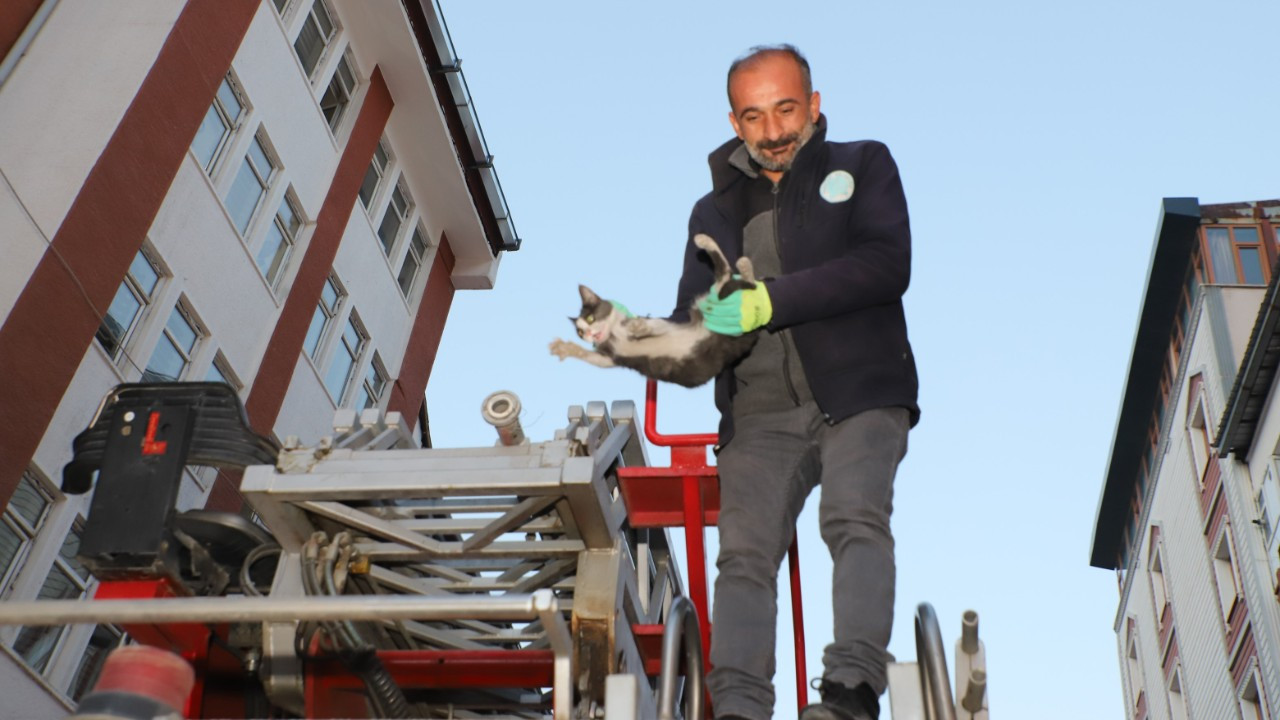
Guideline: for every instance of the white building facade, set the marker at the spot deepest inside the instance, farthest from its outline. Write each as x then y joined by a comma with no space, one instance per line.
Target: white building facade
279,194
1197,625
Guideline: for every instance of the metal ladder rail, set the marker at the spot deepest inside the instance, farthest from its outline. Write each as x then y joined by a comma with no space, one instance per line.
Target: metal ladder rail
932,659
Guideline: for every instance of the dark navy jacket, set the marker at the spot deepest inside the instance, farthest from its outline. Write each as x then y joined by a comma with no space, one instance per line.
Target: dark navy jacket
845,267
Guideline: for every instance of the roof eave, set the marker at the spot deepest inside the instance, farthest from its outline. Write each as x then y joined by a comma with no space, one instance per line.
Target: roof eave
1172,251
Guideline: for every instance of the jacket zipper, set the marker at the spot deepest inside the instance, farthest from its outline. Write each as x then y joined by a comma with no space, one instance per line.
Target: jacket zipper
783,335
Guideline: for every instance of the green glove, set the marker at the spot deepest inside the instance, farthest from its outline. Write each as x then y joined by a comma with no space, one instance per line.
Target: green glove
621,308
741,312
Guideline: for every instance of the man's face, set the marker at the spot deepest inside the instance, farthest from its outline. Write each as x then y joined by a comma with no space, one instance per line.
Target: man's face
771,112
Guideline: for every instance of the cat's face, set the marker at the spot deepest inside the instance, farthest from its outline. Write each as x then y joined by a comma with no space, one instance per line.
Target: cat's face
596,320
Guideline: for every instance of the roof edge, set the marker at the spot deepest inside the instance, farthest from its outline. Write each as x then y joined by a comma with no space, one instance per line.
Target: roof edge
1170,254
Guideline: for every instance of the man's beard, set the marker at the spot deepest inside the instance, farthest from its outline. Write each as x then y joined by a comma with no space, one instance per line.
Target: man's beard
782,164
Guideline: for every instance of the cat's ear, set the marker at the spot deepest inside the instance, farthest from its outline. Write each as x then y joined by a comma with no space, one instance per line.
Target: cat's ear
588,297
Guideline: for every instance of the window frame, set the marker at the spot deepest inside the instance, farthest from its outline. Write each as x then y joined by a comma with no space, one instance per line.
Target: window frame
330,315
381,173
328,42
389,245
146,304
276,169
1259,243
1175,688
182,309
1136,680
373,392
1253,682
60,518
1199,433
288,240
1226,568
357,354
345,58
231,125
421,259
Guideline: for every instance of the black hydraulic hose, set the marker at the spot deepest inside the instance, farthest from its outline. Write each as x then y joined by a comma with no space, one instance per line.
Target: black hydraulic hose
360,657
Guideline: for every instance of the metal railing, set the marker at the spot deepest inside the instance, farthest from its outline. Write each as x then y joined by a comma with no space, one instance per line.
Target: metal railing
682,630
932,659
540,605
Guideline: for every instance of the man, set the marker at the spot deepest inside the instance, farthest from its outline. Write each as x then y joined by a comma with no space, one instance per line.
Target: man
827,395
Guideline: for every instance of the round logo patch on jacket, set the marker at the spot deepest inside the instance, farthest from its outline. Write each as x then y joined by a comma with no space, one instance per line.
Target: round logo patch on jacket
837,187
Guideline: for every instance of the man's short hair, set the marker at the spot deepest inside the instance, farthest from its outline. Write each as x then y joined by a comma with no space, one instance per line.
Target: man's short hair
759,52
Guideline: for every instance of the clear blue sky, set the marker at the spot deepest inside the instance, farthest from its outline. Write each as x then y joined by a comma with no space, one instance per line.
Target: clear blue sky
1035,143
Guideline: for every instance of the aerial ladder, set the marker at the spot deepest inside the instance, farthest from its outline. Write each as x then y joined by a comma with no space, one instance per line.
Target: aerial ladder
374,578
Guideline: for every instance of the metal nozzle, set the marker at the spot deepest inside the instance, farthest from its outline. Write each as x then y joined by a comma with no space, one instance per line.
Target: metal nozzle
969,632
977,688
502,410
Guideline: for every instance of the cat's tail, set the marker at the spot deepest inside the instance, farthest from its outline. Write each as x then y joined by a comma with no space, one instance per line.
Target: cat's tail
725,282
718,262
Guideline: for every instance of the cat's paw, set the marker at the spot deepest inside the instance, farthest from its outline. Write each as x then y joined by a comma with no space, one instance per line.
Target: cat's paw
562,349
637,327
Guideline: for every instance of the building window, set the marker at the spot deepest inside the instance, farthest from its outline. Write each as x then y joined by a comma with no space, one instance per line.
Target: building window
1198,432
250,184
373,176
172,356
22,520
1133,668
1236,255
1159,590
394,218
219,124
345,358
331,296
318,30
67,580
1225,575
375,380
281,6
277,246
337,97
1268,501
1177,701
134,295
104,639
220,371
1253,704
413,261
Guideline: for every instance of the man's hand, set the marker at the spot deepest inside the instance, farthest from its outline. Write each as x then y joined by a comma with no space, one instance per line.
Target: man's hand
741,312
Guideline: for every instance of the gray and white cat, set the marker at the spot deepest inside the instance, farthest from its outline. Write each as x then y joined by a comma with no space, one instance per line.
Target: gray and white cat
685,353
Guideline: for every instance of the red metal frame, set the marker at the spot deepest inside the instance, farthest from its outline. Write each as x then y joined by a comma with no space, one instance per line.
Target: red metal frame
651,495
190,640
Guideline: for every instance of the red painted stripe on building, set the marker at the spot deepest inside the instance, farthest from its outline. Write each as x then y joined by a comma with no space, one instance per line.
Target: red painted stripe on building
276,371
54,319
407,394
15,15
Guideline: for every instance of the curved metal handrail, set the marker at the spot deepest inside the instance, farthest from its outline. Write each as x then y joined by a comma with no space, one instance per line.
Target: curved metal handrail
651,424
931,657
682,625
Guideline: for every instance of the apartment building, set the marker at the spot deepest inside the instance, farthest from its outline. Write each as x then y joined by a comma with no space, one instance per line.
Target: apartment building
282,195
1189,505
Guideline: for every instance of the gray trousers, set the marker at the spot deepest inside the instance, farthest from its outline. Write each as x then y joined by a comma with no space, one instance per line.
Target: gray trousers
774,460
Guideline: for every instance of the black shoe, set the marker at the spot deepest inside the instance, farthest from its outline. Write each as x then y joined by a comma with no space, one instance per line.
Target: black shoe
841,703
